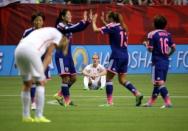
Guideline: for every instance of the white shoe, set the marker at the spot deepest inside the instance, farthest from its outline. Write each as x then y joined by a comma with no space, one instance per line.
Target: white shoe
33,106
166,106
85,88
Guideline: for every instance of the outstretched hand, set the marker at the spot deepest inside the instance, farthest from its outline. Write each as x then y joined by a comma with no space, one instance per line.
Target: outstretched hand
95,18
85,17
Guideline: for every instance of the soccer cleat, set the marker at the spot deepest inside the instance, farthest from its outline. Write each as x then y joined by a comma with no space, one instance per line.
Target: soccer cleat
139,100
166,106
71,103
59,99
33,106
101,88
146,105
27,119
106,105
85,88
41,120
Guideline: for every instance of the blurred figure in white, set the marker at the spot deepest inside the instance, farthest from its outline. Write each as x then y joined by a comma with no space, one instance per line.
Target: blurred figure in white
28,60
94,75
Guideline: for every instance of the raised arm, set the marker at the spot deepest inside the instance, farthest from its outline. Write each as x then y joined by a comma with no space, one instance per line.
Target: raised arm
83,24
94,26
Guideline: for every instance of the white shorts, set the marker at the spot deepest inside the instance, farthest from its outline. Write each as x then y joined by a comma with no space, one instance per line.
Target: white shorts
29,63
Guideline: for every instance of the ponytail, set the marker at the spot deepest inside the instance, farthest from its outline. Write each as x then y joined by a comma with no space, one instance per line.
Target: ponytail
121,21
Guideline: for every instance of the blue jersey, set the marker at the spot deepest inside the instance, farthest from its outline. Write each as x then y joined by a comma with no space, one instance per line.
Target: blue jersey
27,32
68,29
118,39
65,64
160,41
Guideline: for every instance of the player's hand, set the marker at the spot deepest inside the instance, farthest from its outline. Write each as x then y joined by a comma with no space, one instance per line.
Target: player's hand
90,15
145,43
85,16
95,18
102,17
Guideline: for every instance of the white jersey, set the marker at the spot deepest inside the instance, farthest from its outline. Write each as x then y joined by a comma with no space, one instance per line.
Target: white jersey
40,39
94,70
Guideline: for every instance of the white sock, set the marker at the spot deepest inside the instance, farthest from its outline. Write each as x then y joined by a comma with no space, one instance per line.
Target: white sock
40,98
86,82
103,81
26,99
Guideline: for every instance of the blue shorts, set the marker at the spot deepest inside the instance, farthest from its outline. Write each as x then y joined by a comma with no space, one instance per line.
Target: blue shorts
65,64
118,65
159,74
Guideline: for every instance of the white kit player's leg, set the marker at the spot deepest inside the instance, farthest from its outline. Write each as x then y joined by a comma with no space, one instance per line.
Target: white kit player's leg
86,82
103,82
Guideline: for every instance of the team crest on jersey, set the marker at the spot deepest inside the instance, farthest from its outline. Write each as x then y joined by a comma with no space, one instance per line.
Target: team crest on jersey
158,78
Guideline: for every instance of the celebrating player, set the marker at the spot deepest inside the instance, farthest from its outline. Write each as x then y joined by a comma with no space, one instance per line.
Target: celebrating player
117,31
161,46
65,64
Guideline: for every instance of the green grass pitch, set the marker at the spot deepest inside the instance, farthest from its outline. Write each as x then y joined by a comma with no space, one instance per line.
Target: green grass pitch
88,116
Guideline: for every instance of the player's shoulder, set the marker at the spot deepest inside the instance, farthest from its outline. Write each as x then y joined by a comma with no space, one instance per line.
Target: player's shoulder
100,66
112,25
27,31
152,33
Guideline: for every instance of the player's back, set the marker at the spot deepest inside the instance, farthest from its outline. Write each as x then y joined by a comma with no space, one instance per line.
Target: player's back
41,38
118,40
160,41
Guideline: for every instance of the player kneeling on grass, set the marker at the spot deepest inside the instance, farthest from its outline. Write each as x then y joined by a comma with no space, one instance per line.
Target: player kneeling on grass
94,75
28,60
161,46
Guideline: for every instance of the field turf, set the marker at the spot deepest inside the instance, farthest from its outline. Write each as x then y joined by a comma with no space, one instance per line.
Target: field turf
88,116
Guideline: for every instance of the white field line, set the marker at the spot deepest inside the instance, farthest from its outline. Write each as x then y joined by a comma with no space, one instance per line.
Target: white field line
79,96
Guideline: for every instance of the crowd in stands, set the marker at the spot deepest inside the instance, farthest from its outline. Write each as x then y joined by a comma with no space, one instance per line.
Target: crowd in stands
118,2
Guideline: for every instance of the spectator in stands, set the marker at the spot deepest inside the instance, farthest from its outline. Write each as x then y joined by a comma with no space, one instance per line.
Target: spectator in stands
94,75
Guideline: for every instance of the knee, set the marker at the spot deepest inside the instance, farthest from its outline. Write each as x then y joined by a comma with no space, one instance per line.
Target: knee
122,82
159,83
73,80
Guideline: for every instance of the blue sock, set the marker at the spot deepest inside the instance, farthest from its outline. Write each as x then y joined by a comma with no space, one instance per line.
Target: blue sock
33,89
130,87
65,90
155,92
109,88
164,92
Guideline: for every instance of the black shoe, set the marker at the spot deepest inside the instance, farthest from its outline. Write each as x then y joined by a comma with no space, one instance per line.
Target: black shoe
139,100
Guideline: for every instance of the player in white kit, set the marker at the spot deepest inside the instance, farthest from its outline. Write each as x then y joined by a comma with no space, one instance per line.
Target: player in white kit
28,59
94,75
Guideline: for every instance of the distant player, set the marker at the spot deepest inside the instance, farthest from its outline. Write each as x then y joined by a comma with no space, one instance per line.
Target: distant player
28,60
94,75
65,64
117,31
161,46
37,20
